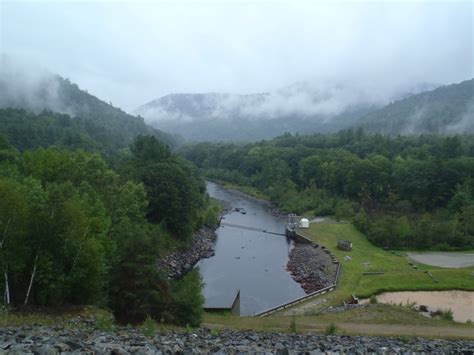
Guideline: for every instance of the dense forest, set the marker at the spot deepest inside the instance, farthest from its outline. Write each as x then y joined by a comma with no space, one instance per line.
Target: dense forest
56,106
402,192
75,231
447,109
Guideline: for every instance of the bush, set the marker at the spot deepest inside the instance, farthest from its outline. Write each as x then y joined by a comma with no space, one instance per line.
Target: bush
149,326
293,325
105,322
187,300
331,329
446,314
343,210
373,299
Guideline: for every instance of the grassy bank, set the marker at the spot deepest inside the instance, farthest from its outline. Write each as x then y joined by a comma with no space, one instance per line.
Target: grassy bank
381,320
398,274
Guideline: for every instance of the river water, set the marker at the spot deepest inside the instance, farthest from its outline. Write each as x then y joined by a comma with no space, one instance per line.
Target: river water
252,261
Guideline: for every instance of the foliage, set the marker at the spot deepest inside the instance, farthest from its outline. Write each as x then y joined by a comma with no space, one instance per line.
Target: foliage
186,306
105,323
74,231
149,326
175,190
444,109
373,299
331,329
403,192
446,314
293,325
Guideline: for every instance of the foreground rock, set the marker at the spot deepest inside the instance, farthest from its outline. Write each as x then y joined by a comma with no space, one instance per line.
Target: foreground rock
311,266
45,340
179,262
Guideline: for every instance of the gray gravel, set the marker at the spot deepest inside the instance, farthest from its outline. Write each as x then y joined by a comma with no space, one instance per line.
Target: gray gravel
311,266
54,340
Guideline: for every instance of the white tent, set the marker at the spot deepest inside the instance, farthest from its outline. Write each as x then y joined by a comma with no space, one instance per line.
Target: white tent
304,223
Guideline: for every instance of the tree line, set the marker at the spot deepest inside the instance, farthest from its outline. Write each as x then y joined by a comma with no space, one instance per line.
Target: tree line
402,192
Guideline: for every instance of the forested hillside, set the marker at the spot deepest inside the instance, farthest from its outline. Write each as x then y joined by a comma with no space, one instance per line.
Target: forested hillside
74,231
445,110
108,125
403,192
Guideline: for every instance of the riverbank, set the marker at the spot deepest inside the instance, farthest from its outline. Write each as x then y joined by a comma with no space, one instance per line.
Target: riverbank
177,263
56,340
311,267
372,270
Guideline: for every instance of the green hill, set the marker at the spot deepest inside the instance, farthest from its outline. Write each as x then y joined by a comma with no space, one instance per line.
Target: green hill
55,111
445,110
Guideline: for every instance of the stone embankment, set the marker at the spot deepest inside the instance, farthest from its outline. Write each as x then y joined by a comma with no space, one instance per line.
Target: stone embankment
176,264
56,340
311,267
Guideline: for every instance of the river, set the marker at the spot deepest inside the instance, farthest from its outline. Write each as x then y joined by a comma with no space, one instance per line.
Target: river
252,261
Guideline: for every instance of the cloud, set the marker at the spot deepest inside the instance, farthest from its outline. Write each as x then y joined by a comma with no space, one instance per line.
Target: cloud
133,52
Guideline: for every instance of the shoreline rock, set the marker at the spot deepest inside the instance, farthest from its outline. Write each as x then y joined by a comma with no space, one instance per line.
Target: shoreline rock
57,340
178,263
311,267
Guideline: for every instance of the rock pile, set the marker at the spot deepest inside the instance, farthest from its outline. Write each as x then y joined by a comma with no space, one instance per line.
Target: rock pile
311,266
179,262
54,340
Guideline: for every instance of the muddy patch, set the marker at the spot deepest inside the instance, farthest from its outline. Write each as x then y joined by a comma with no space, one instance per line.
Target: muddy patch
461,303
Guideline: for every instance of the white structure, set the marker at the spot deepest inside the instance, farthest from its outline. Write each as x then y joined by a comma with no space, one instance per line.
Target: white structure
304,223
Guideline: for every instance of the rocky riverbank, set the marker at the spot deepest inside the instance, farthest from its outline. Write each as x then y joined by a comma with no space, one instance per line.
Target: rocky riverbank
56,340
311,266
179,262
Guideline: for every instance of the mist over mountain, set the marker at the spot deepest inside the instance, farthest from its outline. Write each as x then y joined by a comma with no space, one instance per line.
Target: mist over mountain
301,107
37,90
445,110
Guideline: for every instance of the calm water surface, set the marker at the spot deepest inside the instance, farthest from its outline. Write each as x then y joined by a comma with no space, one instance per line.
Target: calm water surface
254,262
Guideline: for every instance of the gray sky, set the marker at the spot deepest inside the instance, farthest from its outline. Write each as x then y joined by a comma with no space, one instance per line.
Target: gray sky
132,52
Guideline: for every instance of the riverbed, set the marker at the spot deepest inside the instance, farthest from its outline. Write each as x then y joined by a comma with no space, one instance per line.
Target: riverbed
251,261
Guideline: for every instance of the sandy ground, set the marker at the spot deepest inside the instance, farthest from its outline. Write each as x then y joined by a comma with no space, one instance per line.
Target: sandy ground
447,260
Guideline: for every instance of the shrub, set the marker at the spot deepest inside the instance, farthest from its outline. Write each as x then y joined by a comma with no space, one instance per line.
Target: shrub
446,314
149,326
331,329
373,299
105,322
293,325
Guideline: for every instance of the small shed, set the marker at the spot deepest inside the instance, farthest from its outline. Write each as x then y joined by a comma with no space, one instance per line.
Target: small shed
344,245
304,223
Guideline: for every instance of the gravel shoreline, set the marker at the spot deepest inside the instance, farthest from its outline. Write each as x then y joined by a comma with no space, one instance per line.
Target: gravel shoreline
311,267
56,340
178,263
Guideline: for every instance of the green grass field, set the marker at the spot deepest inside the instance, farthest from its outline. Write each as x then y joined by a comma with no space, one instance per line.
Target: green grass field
398,275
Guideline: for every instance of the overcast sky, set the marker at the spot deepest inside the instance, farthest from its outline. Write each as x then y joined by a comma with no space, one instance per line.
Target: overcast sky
132,52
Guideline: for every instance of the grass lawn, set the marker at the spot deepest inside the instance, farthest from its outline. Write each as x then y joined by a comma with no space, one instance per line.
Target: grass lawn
365,257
